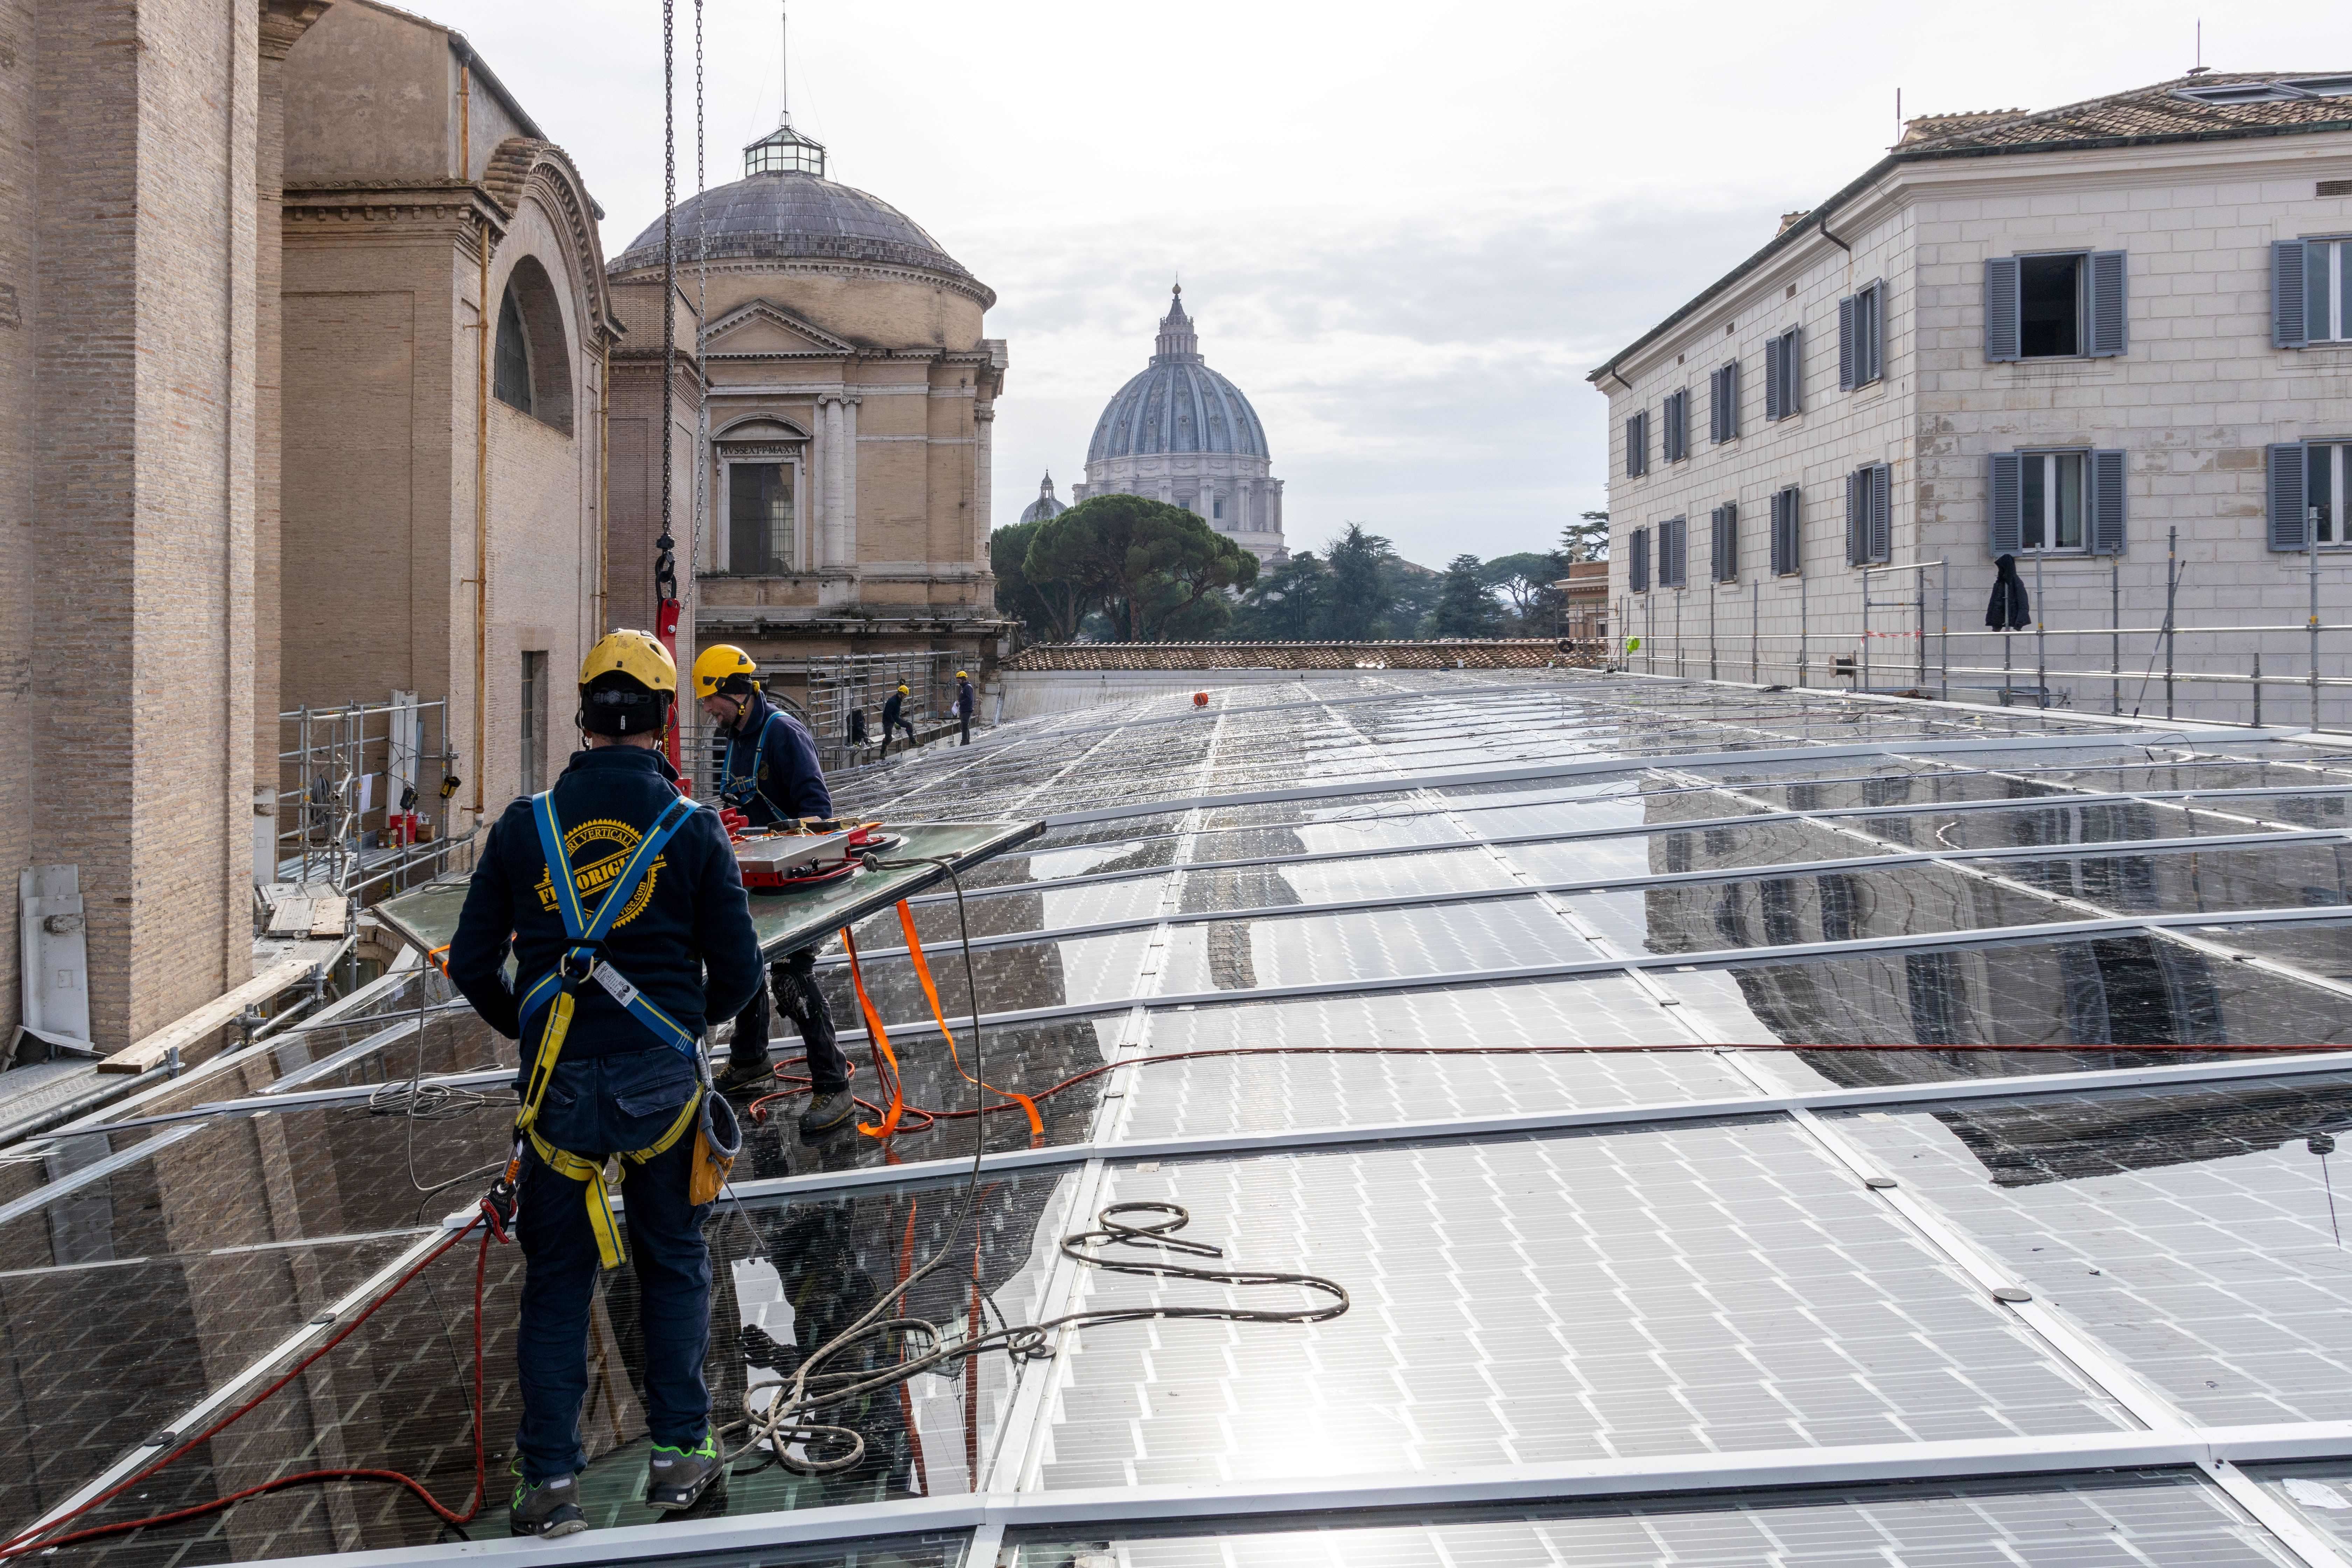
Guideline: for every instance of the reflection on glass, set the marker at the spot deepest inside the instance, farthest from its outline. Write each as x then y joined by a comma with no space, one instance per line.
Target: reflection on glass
2052,512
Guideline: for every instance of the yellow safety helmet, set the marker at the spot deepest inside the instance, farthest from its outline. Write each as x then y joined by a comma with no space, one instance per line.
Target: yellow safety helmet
637,655
963,675
902,689
723,670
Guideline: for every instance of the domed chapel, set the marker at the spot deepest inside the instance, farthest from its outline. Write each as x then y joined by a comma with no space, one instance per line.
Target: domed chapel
1180,432
845,391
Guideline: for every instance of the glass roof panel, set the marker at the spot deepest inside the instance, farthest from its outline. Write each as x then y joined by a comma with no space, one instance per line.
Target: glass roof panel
1331,881
2124,990
1242,955
2193,1230
2144,1519
1699,849
1820,905
396,1395
2319,947
1473,1027
1691,1289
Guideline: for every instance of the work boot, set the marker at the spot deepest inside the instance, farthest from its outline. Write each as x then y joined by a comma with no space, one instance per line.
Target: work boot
545,1509
828,1110
739,1079
677,1478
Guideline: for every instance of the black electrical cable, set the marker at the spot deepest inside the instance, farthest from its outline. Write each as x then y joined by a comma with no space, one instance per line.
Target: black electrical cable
792,1414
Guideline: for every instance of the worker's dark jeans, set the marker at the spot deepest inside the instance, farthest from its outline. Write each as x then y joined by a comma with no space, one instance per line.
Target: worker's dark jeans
891,729
967,729
594,1107
802,1000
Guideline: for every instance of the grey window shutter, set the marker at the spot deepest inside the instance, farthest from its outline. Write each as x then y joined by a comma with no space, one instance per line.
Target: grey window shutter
1671,563
1870,310
1881,513
2106,473
2004,517
1637,445
1637,567
2107,329
1682,551
1854,517
2003,333
2289,521
1772,378
1732,400
2287,317
1723,557
1792,366
1846,315
1792,534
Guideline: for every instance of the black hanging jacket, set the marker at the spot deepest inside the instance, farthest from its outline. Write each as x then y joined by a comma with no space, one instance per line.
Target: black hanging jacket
2010,611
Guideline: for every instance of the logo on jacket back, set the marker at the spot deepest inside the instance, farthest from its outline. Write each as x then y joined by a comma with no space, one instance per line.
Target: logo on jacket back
613,843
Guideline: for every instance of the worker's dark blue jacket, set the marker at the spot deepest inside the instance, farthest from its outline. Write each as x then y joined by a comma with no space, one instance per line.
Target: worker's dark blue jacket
688,943
890,712
965,700
770,772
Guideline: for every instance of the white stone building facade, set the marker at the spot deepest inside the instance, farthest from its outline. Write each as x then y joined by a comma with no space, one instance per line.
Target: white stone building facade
2069,337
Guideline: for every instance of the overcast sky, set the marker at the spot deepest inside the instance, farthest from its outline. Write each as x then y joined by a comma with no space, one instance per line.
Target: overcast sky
1407,232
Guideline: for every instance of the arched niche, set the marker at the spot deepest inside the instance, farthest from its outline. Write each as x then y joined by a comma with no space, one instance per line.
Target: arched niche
532,369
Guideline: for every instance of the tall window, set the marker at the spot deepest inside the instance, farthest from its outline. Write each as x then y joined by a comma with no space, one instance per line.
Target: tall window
1674,552
1788,545
1637,445
2056,503
760,519
1862,337
2060,306
1723,402
1637,561
1673,426
2324,490
510,376
1783,375
2307,496
2325,318
534,722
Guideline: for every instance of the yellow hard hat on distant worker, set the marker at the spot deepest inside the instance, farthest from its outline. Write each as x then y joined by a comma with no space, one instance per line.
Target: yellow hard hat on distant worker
723,670
902,689
637,655
963,675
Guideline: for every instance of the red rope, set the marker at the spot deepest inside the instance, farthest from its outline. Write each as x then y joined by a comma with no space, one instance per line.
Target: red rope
39,1539
920,1119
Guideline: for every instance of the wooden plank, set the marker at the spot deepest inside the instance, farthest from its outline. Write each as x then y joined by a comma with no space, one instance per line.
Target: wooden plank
290,916
214,1015
328,916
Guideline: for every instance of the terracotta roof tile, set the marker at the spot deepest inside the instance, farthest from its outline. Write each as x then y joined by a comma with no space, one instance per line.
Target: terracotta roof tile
2161,110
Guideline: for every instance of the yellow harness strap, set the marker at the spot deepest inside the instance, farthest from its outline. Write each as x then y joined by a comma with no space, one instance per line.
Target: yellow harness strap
579,1168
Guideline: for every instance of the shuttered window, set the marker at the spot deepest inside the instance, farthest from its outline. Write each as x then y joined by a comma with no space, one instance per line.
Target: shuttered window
1723,560
2054,504
2309,493
1783,375
1869,515
1674,554
1637,560
2308,300
1723,404
1673,426
1637,445
1787,546
2057,305
1862,336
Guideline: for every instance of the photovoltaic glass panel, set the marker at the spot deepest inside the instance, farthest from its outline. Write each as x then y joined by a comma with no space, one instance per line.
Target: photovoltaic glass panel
2192,1229
1765,910
1644,1292
2142,1520
1242,955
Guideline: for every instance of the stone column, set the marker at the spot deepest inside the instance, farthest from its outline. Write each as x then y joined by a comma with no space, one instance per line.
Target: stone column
850,479
983,481
829,530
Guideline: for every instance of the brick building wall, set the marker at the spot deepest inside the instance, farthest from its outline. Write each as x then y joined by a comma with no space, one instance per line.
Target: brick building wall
2193,402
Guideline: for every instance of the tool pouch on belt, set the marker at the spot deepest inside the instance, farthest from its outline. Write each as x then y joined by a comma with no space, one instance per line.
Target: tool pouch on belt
717,1138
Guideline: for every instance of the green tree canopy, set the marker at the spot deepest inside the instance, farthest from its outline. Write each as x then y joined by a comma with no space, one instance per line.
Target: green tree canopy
1156,570
1008,556
1361,591
1285,602
1523,578
1586,539
1464,607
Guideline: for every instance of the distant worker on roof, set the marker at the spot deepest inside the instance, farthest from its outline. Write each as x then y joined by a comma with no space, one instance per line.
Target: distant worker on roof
966,699
769,772
622,905
894,717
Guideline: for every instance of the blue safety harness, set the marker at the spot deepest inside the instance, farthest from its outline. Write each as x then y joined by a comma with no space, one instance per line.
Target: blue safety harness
738,789
552,994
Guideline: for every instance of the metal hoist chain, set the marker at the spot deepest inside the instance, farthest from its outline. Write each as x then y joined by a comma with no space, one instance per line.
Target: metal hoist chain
665,560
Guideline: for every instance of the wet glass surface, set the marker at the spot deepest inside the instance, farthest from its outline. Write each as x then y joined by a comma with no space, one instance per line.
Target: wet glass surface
789,1275
1475,1028
1700,849
1242,955
1332,882
1577,1307
2152,1520
2320,947
1823,906
2192,1229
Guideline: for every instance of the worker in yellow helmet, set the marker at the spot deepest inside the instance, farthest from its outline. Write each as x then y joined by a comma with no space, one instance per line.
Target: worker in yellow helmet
768,770
966,699
894,717
623,908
